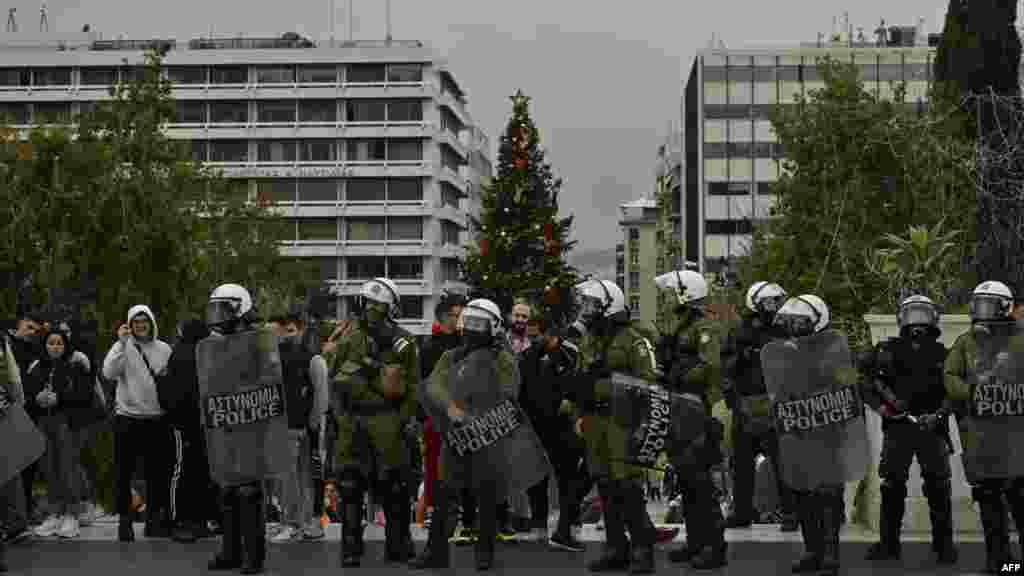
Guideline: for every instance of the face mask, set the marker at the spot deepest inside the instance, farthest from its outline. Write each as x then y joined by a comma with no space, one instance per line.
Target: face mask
794,326
918,332
376,312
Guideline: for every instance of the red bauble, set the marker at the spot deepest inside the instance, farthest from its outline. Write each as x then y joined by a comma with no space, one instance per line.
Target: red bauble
520,163
549,232
485,247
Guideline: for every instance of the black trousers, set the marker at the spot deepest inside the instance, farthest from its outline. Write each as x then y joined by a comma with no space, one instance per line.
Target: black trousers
746,447
149,439
191,499
566,454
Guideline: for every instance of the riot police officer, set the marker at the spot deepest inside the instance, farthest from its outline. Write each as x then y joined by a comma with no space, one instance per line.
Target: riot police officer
612,342
820,510
374,377
904,383
243,544
743,379
990,310
690,357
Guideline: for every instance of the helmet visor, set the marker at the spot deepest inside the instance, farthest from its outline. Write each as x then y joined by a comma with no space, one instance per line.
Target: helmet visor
795,325
917,314
221,311
770,304
987,308
476,324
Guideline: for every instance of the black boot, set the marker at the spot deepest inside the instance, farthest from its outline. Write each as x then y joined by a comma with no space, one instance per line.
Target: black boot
714,553
3,558
993,521
352,534
940,508
397,522
833,510
435,553
253,528
615,555
230,555
487,517
641,530
810,529
157,524
692,518
125,530
893,503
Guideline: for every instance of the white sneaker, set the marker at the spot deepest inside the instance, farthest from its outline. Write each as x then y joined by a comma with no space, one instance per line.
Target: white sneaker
68,527
539,535
49,527
313,530
287,534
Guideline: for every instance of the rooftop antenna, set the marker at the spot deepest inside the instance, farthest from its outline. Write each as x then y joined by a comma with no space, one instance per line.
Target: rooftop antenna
12,22
44,25
351,38
880,33
387,21
333,17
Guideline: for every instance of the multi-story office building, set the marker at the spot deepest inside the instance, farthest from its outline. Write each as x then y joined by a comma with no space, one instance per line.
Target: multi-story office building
731,155
639,223
366,148
670,165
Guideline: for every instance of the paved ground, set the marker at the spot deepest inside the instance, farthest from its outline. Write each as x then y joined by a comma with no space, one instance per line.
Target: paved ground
164,558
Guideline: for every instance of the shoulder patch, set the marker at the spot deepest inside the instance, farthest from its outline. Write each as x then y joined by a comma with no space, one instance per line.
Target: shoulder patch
705,338
400,344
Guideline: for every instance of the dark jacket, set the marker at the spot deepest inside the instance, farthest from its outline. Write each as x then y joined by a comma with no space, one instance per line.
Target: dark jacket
742,358
916,377
298,384
179,389
25,352
72,383
432,350
546,380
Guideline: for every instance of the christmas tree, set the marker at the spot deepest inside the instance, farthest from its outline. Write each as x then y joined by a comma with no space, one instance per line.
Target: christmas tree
521,242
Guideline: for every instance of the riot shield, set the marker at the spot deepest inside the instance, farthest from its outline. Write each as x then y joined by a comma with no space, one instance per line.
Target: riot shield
654,419
495,440
243,406
994,422
23,442
818,410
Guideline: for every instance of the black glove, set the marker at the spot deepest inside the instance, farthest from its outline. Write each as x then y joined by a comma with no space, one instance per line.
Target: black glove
932,422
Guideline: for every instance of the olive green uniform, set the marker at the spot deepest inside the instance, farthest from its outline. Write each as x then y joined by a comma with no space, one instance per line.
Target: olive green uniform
987,493
691,358
370,448
628,349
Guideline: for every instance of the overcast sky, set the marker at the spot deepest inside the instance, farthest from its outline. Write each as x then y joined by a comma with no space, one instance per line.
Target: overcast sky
605,78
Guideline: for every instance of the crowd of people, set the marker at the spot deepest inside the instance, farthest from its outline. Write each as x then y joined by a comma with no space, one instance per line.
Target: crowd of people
370,410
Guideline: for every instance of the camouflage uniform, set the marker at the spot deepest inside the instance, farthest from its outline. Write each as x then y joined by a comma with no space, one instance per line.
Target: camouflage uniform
370,449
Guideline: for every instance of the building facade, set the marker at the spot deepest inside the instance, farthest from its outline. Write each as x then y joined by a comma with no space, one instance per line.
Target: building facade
639,223
731,155
366,149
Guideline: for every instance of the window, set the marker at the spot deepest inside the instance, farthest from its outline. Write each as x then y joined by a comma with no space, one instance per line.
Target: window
634,233
189,112
133,74
788,73
229,75
318,190
275,111
405,228
365,229
51,77
405,73
97,76
765,189
317,111
365,73
634,280
316,151
449,195
314,74
714,73
449,270
405,111
449,233
15,77
199,149
739,149
764,149
187,74
634,257
620,265
374,149
764,74
449,159
890,73
763,111
365,190
726,111
328,267
365,267
405,267
405,150
276,190
728,227
229,151
51,112
225,112
715,150
410,307
275,151
365,110
318,229
275,75
405,190
450,123
14,112
729,188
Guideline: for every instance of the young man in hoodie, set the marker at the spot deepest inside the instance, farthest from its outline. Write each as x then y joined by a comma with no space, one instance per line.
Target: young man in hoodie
134,362
305,381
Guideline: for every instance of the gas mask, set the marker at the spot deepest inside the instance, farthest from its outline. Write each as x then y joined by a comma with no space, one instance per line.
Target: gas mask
376,313
222,316
476,332
917,332
590,314
767,308
793,325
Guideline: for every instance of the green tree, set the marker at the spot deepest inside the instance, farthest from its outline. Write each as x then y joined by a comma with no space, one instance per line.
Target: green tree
522,243
856,168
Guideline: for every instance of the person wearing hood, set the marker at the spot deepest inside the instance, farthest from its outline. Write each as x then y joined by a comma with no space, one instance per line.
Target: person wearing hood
904,382
134,362
55,388
192,502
